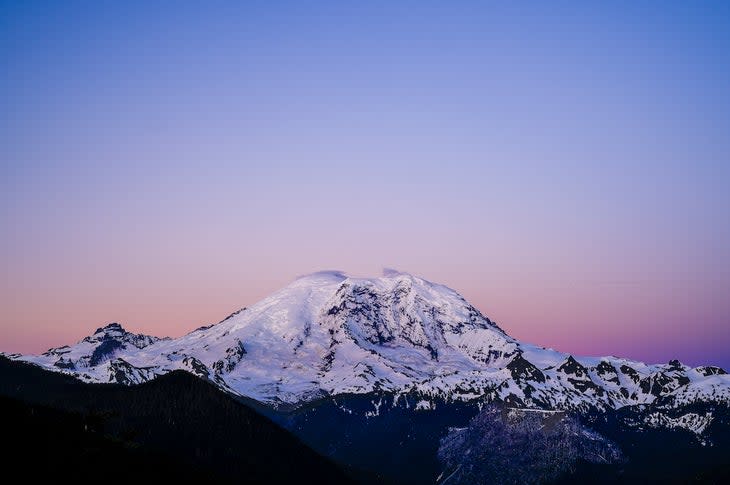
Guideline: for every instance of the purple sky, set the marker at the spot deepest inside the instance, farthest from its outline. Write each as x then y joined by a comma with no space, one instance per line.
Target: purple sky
565,168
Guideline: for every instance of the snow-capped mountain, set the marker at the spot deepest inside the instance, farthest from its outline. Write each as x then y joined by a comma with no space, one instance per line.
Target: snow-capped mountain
331,334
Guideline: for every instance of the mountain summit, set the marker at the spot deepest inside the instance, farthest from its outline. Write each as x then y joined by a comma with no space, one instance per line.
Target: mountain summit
328,333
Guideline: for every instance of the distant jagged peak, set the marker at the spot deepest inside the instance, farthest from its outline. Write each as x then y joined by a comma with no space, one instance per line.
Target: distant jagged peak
675,364
110,327
573,367
710,370
115,331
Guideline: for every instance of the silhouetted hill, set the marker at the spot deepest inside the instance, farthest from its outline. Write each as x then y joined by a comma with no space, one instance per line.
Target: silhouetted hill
178,419
45,444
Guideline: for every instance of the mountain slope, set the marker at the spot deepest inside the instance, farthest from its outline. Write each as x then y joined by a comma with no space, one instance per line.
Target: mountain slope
330,334
176,418
68,447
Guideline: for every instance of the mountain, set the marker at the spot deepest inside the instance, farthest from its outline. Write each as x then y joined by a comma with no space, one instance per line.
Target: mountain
328,334
381,374
177,427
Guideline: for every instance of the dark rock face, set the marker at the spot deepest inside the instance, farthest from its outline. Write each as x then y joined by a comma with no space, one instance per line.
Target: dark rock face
233,357
663,383
674,364
65,364
631,372
578,377
709,370
115,331
573,367
607,372
196,367
585,385
377,318
503,445
522,370
105,349
122,372
225,319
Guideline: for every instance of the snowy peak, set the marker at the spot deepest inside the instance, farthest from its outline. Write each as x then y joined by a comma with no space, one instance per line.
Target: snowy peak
400,310
96,349
114,332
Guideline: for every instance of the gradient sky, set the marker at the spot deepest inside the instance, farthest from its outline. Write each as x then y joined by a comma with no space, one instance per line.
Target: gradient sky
564,167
